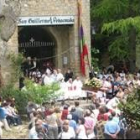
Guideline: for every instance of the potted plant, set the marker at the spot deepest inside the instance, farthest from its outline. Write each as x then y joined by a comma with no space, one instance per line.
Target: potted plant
93,84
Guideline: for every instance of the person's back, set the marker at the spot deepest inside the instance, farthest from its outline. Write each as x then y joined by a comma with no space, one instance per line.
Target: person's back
111,126
78,110
73,124
52,120
111,129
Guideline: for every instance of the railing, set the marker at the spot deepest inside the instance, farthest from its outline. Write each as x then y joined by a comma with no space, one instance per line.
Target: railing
36,44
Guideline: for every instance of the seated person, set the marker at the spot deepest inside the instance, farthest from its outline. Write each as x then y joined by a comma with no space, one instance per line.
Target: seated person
11,116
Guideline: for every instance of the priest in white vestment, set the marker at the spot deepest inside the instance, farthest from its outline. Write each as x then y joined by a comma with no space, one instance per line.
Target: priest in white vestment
48,80
77,88
60,76
69,90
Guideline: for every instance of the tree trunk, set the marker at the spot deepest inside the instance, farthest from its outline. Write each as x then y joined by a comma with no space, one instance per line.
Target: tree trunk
132,48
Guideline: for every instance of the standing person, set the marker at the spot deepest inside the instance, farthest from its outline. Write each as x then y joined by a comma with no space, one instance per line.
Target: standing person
81,131
47,79
77,87
111,129
59,75
28,66
72,123
89,125
69,90
54,76
78,110
65,113
74,116
34,64
59,120
68,75
51,120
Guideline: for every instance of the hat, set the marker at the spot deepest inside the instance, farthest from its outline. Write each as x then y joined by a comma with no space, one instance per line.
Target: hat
69,117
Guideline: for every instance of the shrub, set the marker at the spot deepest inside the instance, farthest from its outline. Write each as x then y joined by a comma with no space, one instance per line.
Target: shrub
131,109
37,94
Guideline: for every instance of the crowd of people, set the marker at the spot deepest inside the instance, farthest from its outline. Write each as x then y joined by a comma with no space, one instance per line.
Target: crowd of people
101,119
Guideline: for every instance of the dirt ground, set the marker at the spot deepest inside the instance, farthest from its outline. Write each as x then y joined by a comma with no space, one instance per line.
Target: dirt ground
21,132
18,132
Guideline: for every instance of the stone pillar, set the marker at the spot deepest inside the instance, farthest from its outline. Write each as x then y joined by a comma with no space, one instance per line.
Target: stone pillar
12,47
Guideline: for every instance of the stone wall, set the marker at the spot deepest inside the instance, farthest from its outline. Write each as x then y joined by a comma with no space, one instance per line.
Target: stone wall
59,7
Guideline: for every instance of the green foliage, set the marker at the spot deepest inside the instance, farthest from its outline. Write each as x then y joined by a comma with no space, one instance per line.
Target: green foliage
131,109
95,60
118,48
107,10
21,99
117,19
122,26
16,61
37,94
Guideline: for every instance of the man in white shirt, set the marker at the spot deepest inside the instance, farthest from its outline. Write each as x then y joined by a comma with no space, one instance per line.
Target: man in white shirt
68,132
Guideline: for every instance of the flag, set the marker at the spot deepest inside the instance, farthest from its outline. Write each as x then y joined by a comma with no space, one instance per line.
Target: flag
83,46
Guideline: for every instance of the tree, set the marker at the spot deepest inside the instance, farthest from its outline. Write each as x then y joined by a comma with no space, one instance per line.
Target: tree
119,20
131,111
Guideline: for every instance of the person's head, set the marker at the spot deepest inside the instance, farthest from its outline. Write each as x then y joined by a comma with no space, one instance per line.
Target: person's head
38,125
35,113
88,113
92,107
77,78
51,110
102,110
69,117
65,126
114,106
81,121
52,103
63,103
68,71
29,58
57,110
110,118
113,114
70,80
59,70
54,71
97,105
66,107
73,109
77,104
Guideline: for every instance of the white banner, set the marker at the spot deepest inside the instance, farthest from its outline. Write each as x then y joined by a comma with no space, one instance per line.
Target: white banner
46,20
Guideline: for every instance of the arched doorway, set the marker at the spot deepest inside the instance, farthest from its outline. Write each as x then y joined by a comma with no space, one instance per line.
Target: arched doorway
37,42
